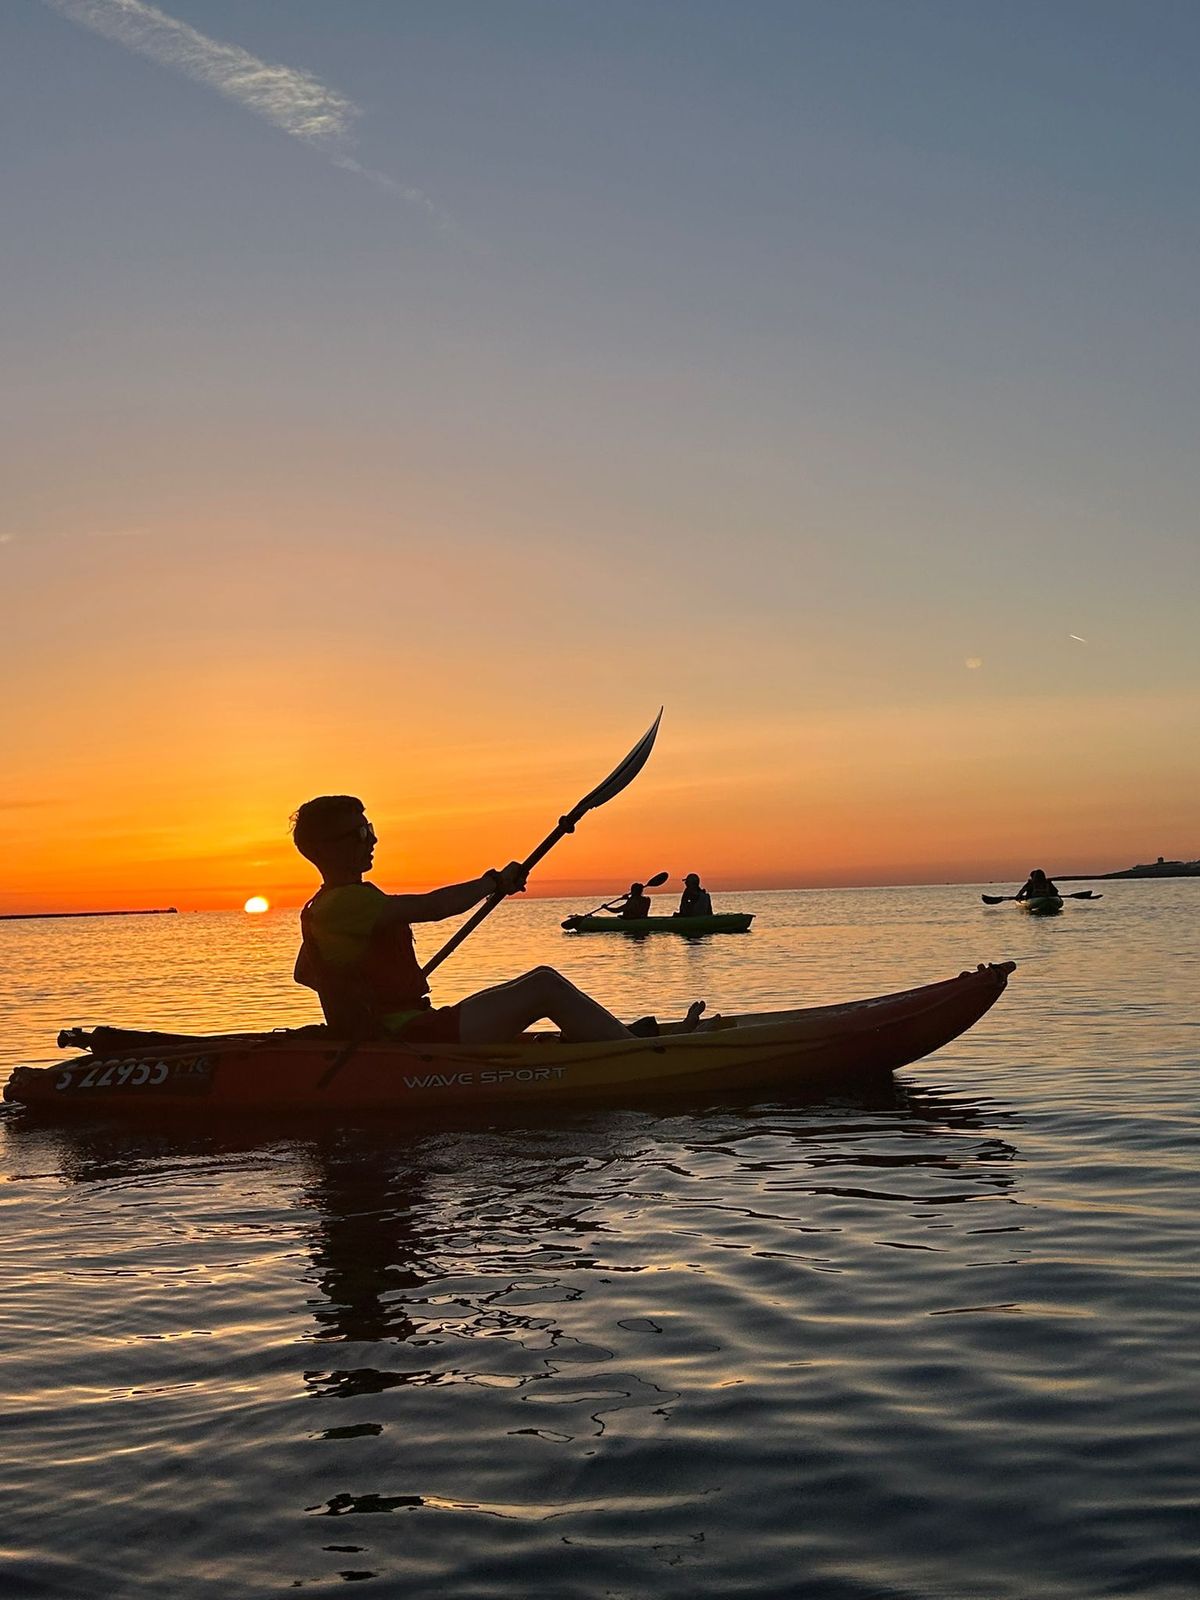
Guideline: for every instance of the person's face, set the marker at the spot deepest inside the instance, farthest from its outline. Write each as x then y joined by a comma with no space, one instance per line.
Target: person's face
356,843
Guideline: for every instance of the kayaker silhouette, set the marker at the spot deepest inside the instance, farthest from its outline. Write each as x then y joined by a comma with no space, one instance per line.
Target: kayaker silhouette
635,905
694,901
1037,886
357,950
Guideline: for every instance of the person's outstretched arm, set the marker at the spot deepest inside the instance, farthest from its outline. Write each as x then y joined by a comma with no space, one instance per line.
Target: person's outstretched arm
455,898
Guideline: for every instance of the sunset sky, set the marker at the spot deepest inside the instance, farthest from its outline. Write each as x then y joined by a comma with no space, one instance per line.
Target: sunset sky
407,397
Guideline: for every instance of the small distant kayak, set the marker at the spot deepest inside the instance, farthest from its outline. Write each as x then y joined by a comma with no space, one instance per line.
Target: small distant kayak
719,922
1042,905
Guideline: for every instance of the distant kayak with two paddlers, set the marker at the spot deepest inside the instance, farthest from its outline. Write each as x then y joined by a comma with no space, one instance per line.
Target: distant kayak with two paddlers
632,913
718,922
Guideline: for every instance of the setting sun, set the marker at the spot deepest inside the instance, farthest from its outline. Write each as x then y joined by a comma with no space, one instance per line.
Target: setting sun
256,904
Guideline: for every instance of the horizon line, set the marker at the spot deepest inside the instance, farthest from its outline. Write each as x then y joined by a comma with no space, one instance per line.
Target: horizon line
670,894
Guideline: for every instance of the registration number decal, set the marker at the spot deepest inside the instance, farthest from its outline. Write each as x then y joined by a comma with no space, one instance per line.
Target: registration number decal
191,1075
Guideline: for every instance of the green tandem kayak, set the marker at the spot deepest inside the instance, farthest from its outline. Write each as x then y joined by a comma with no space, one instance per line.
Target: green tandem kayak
721,922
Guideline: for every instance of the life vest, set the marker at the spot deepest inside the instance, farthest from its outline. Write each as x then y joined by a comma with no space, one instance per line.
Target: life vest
380,985
1041,889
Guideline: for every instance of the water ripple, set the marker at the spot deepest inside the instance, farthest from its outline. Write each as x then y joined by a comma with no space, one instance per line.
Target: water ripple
934,1342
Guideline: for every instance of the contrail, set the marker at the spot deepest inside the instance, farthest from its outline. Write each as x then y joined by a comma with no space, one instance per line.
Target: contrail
290,99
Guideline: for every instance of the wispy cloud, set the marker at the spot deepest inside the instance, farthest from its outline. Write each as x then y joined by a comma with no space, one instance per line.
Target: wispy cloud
293,100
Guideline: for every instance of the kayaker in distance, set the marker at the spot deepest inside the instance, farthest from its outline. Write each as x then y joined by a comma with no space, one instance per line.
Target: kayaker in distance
635,905
694,901
1037,887
357,950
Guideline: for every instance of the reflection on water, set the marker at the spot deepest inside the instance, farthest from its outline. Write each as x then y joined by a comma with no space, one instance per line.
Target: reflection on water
599,1281
366,1246
841,1348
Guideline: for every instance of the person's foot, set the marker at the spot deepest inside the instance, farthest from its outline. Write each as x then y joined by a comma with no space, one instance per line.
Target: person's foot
692,1021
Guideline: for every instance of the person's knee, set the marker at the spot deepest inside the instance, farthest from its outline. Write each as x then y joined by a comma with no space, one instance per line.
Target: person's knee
546,980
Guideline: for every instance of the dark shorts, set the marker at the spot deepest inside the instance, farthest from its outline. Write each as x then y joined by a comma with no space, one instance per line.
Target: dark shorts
438,1025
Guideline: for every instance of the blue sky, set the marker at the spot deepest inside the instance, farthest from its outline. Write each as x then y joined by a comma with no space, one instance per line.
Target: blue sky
860,338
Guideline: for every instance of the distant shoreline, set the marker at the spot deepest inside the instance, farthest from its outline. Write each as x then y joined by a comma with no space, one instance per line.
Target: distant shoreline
41,916
1169,869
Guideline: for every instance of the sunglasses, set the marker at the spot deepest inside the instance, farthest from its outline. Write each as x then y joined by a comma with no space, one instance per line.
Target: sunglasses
362,830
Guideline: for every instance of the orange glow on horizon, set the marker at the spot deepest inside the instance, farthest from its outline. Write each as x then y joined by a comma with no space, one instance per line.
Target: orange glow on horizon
923,794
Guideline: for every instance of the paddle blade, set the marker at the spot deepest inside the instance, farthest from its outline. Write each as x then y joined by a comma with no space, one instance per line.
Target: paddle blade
623,775
993,899
658,879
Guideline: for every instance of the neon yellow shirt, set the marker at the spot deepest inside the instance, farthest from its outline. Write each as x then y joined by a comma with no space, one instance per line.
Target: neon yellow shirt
383,982
343,920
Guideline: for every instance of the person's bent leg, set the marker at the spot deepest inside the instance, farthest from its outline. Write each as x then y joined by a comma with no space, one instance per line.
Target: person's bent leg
496,1016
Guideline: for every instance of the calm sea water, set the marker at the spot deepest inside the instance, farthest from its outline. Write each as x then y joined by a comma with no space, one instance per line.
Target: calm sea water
937,1344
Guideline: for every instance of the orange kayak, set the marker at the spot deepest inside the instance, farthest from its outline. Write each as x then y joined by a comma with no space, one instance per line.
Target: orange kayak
307,1070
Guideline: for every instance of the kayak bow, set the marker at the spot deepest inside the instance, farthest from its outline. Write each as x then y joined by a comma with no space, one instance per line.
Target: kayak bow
1042,905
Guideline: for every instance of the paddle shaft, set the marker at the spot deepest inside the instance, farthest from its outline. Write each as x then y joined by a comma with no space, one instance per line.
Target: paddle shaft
565,825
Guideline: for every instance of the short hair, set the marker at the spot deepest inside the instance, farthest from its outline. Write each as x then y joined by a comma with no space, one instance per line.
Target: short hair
316,821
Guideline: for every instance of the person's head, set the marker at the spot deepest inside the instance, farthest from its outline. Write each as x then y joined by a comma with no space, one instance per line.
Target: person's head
636,888
692,881
1037,875
333,833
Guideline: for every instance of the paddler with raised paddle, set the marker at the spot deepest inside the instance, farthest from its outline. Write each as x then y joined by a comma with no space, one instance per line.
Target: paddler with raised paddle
358,953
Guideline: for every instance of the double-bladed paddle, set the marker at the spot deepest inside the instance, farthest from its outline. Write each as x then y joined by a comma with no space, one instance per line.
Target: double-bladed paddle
618,779
650,883
1076,894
